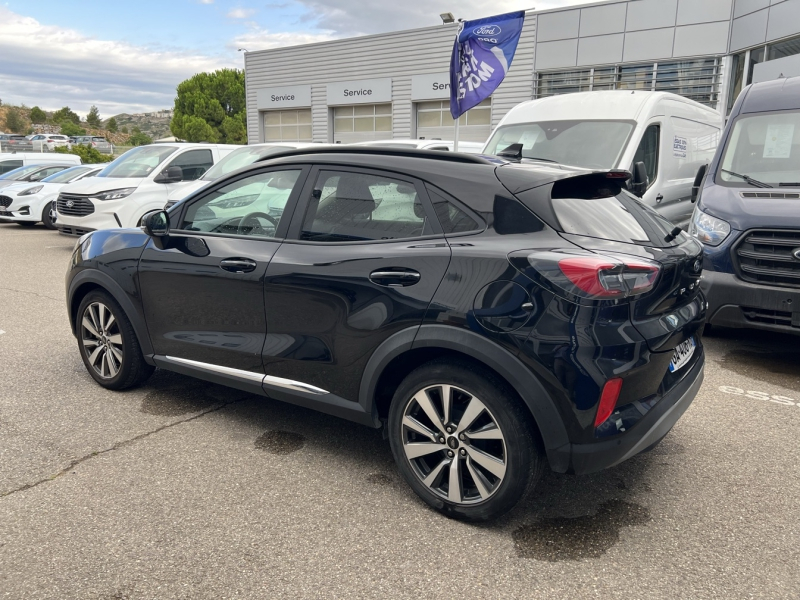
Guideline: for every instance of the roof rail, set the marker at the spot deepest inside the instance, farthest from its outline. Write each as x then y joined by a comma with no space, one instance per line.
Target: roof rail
384,151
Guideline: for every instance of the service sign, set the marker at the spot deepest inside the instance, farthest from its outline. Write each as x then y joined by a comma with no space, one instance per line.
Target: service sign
295,96
430,87
367,91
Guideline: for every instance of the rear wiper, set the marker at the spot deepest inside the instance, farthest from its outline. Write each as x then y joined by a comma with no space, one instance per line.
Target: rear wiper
748,179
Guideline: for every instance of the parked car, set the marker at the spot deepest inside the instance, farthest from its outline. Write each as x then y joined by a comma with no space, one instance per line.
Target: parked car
747,214
446,145
241,157
662,138
99,143
51,141
12,161
11,142
136,183
493,316
29,204
31,173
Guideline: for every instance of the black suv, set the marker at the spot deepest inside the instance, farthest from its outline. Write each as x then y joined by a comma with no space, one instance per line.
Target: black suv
490,314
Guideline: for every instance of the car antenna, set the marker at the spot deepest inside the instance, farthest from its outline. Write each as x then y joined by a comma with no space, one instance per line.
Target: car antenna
513,152
673,234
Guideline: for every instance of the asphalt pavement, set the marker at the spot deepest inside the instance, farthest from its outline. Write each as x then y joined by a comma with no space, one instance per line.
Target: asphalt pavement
182,489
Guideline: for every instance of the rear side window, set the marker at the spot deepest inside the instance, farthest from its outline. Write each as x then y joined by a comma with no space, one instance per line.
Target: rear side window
453,218
9,165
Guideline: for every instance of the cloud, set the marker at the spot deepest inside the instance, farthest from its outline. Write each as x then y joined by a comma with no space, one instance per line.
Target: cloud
51,67
256,38
206,1
241,13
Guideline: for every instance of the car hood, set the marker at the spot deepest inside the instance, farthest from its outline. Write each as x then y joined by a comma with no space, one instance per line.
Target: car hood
770,209
47,188
95,185
183,191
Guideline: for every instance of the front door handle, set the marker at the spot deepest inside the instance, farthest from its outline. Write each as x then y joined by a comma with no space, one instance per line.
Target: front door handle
394,278
238,265
659,198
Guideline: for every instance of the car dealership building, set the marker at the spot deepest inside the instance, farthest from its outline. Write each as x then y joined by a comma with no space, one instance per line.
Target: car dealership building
396,85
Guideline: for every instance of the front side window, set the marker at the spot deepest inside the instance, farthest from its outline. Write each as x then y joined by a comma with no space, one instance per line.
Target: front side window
66,175
193,163
764,147
138,162
348,207
591,144
39,175
251,206
647,152
19,173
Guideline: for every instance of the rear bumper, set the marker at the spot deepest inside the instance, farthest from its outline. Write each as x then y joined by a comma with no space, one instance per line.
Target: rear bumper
736,303
589,458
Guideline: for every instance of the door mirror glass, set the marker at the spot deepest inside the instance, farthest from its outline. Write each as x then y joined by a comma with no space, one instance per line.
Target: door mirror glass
156,223
698,181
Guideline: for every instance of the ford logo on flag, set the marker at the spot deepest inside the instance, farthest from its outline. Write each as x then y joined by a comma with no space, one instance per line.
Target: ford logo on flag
487,30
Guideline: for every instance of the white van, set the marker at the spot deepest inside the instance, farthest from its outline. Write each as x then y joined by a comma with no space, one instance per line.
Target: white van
671,136
14,160
136,183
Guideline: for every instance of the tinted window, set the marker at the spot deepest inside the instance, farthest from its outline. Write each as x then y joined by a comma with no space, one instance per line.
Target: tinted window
193,163
452,218
647,152
251,206
357,207
9,165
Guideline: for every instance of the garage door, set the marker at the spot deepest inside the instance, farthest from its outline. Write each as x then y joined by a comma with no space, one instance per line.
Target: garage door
362,123
287,125
434,121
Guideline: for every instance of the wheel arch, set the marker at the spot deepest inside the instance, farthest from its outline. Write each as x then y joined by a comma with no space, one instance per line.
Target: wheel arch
87,281
408,349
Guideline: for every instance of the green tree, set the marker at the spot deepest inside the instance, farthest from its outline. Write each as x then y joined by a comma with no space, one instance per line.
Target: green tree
88,154
111,125
124,129
66,114
93,117
14,121
139,139
210,107
38,115
70,128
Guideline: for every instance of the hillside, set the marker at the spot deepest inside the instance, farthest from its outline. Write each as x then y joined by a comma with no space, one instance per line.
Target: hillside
155,126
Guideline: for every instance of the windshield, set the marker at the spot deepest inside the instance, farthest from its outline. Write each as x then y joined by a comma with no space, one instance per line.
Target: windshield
21,172
764,147
241,157
590,144
66,175
139,162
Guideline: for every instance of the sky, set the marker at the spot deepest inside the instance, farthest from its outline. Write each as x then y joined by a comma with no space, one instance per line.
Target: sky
130,56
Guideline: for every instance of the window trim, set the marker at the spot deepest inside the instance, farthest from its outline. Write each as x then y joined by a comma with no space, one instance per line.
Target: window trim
283,225
296,226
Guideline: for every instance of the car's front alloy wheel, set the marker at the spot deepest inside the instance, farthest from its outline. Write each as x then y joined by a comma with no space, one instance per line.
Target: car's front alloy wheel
102,339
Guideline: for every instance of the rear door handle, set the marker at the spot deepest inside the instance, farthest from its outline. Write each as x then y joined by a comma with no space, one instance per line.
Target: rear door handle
390,278
238,265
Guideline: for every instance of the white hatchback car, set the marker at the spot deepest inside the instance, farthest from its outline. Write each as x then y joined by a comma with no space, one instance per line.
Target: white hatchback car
30,203
136,183
50,141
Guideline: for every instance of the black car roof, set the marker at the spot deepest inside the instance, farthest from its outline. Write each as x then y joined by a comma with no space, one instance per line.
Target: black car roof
780,94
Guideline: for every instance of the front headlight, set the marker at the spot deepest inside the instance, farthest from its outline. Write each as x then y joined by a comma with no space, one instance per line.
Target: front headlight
709,230
29,191
114,194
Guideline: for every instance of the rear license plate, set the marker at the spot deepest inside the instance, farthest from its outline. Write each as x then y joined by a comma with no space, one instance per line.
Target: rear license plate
682,355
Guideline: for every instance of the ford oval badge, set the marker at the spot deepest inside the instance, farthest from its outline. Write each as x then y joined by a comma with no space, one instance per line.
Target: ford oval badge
487,30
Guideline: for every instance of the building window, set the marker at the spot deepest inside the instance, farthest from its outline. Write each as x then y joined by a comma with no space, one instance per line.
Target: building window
784,49
696,79
737,77
364,118
287,125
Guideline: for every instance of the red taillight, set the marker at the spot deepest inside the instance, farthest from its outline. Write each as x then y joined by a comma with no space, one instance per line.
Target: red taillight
608,400
602,277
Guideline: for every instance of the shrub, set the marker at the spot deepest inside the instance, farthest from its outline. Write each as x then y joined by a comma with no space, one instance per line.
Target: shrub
88,154
70,128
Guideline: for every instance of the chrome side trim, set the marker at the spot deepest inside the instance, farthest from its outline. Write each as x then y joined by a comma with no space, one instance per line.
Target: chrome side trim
297,386
238,373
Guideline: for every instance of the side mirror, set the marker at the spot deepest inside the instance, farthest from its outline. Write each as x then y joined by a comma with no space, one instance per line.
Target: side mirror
156,223
639,181
170,175
698,181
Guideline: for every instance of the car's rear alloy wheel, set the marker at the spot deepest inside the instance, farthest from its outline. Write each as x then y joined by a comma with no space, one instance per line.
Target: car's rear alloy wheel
108,344
463,440
102,339
454,444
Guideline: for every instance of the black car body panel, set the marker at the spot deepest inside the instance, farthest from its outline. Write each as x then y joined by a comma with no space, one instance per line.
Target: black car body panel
333,325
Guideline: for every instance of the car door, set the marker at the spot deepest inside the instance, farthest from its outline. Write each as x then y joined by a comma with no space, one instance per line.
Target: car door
202,286
362,261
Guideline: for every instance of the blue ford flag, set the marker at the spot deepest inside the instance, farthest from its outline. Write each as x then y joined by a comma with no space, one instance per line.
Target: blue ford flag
482,55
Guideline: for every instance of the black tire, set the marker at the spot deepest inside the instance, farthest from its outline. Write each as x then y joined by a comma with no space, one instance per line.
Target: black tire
502,409
26,223
47,216
131,370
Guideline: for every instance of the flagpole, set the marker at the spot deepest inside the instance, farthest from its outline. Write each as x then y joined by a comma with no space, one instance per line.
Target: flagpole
455,138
